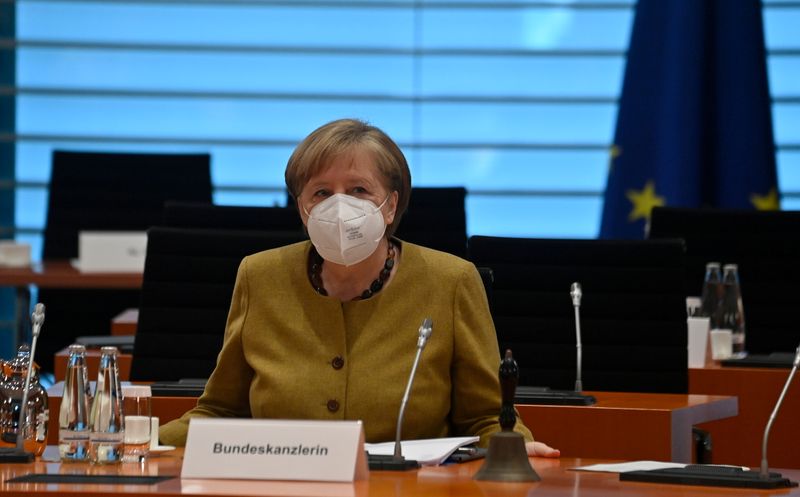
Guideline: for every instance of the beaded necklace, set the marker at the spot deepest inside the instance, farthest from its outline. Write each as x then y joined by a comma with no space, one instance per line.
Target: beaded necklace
315,262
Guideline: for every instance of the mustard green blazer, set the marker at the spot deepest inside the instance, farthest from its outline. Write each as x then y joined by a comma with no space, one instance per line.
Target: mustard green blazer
291,353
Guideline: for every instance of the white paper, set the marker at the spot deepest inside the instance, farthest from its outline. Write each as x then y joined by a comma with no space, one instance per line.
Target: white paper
624,467
428,452
162,448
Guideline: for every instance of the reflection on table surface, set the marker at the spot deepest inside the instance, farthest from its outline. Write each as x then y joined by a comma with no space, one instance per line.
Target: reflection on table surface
449,480
61,274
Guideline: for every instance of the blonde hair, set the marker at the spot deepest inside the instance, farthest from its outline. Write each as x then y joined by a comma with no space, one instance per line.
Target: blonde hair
338,137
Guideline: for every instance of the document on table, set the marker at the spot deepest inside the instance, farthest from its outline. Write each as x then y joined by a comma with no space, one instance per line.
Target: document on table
429,452
625,467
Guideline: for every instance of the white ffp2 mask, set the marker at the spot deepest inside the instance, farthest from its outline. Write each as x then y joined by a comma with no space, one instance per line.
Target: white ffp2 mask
345,229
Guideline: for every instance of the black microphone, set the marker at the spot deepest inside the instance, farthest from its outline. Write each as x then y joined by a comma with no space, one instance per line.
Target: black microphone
397,461
546,396
18,454
725,476
576,293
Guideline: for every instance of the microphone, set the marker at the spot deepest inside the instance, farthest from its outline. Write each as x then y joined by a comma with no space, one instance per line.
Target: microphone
764,467
576,293
18,454
725,476
544,395
425,331
397,461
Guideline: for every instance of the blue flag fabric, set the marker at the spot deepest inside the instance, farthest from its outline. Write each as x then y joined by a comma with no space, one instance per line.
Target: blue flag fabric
694,127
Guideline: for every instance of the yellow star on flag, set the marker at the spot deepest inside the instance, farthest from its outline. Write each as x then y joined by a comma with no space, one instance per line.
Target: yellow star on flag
768,202
643,201
613,153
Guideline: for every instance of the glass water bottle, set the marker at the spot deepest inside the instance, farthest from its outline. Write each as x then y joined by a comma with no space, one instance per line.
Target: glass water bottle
106,418
73,417
732,310
711,296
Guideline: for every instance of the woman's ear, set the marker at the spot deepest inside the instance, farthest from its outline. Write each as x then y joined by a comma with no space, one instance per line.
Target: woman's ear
390,209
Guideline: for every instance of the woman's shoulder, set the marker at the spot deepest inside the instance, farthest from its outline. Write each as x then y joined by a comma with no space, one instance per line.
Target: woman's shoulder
429,259
293,254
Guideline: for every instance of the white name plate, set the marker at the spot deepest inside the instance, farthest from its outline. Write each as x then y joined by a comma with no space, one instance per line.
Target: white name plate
268,449
111,251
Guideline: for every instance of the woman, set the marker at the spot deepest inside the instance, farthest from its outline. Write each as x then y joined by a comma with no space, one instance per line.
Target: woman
327,329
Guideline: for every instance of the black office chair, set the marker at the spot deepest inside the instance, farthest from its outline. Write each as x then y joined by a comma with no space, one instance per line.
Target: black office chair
186,293
487,277
436,218
228,217
102,191
765,245
633,314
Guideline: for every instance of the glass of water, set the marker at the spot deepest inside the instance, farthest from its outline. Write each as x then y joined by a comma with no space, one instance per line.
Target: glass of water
136,401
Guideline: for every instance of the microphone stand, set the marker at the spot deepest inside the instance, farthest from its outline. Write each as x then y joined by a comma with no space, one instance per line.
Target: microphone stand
764,467
397,462
17,454
725,476
546,396
576,293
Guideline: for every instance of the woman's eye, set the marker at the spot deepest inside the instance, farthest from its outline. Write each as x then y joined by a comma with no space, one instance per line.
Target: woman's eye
359,189
321,193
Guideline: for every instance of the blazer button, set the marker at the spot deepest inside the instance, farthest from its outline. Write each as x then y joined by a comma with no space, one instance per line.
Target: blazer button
333,405
338,362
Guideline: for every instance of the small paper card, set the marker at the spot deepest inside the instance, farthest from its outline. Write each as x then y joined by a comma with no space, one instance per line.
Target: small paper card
14,254
268,449
111,251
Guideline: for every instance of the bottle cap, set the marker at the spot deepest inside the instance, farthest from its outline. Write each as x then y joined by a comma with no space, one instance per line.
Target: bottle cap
108,349
136,391
77,348
730,267
712,265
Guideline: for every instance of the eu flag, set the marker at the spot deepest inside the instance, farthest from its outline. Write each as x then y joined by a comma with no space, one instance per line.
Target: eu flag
694,127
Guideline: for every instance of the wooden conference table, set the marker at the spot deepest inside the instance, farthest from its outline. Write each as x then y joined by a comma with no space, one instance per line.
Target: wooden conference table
737,440
441,481
619,426
57,274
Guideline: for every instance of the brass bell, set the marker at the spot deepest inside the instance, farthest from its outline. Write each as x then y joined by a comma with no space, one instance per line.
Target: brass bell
507,459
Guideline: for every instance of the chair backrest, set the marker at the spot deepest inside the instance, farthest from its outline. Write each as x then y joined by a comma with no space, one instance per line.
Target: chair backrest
102,191
186,293
229,217
436,218
765,245
633,313
106,191
487,277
